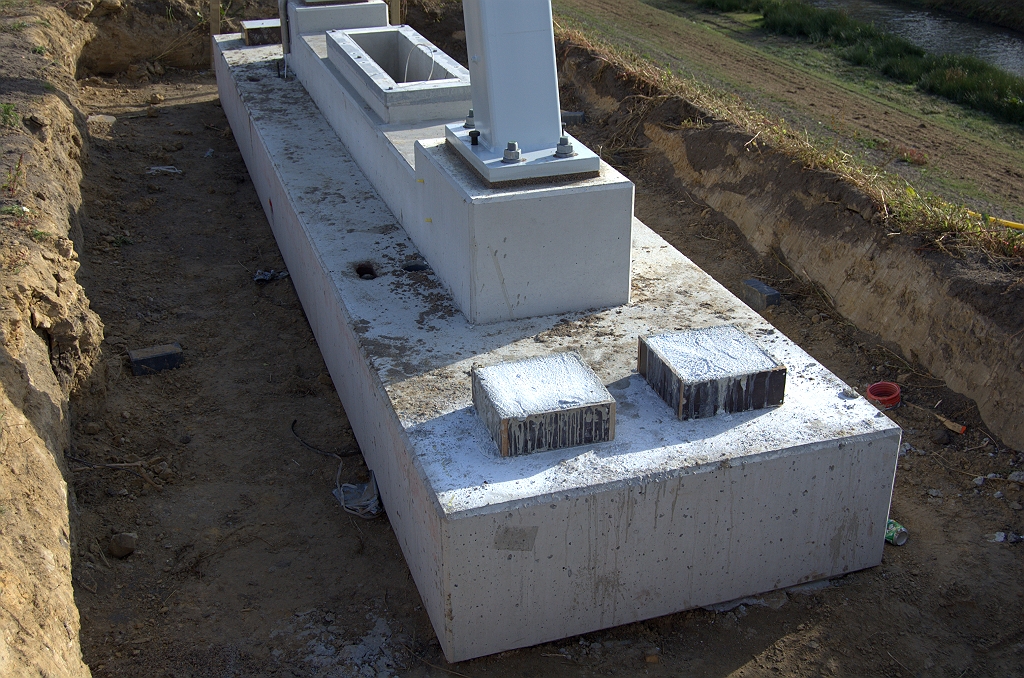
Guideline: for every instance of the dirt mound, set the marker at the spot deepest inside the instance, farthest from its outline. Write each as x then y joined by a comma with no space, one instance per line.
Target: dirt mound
49,340
141,37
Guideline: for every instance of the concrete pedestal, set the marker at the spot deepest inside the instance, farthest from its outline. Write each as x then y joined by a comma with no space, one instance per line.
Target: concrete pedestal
509,552
503,253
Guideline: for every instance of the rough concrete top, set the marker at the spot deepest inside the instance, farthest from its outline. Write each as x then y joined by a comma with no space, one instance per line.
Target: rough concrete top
543,384
711,353
423,349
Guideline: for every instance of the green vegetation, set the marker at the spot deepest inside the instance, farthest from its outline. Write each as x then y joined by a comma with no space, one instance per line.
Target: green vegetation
39,49
8,115
14,210
948,227
14,27
962,79
39,236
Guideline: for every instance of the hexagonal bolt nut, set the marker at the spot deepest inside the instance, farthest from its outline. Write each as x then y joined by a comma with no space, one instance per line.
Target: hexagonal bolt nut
474,137
512,153
564,148
470,124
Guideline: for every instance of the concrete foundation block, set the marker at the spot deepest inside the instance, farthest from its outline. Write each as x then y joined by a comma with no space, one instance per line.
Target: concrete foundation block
508,552
759,296
399,74
306,18
156,359
262,32
702,372
544,403
529,250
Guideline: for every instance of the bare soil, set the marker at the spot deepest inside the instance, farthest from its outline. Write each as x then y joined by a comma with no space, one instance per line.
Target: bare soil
247,566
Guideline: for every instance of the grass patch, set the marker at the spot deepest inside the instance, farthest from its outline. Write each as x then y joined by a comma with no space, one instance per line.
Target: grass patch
948,227
965,80
9,115
39,49
14,211
14,27
39,236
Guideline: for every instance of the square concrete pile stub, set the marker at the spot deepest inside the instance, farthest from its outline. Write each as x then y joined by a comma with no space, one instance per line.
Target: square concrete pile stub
702,372
543,404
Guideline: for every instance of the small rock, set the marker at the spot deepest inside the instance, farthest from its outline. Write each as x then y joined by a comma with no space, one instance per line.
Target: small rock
1016,477
998,494
101,119
79,10
152,112
813,645
92,428
935,493
105,7
980,480
1014,538
156,98
996,537
123,545
940,436
993,476
185,439
1016,506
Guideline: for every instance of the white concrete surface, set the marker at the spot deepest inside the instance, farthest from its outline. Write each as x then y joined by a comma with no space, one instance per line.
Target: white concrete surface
543,403
534,249
503,253
512,552
305,18
400,74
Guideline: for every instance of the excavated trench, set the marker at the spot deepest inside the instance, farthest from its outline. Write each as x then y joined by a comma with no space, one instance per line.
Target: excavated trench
956,325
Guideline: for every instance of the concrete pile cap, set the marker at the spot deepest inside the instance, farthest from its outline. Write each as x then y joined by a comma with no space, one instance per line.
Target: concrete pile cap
702,372
543,403
711,353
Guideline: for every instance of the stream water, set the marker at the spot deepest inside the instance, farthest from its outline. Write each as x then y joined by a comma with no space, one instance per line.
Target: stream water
939,33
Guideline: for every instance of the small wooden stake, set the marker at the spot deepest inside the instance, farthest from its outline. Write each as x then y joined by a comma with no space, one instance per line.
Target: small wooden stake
214,17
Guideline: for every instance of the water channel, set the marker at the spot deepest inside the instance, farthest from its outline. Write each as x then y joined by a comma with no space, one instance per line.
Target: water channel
938,32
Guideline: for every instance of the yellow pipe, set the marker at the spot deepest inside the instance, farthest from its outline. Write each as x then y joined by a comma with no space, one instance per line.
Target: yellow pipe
999,222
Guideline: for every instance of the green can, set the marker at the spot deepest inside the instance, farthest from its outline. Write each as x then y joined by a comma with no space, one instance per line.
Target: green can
895,533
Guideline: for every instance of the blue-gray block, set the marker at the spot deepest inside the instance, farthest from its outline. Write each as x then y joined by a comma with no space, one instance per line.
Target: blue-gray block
759,296
702,372
543,403
156,359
